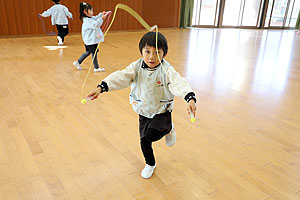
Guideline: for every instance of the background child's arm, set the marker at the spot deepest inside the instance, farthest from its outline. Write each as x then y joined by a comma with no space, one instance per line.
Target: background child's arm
99,15
68,13
47,13
98,22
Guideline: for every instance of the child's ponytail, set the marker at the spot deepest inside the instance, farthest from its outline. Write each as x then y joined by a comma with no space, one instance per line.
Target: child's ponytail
83,7
81,10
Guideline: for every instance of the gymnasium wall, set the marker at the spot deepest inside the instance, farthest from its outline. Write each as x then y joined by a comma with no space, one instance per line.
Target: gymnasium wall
19,17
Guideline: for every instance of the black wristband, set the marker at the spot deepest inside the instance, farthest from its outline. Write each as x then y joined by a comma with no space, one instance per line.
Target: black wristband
190,96
104,87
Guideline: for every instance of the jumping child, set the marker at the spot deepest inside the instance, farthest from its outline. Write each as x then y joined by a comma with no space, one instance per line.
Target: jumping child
153,86
59,14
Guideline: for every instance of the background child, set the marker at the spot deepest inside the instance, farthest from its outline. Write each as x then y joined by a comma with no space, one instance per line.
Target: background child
59,18
153,87
91,34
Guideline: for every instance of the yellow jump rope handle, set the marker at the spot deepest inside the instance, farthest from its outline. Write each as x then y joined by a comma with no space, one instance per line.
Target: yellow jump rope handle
83,101
192,117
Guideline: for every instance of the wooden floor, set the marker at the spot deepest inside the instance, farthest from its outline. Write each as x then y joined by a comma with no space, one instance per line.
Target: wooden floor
245,144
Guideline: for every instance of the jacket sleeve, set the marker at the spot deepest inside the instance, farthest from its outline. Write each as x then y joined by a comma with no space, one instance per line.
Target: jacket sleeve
178,85
68,13
120,79
99,15
47,13
98,21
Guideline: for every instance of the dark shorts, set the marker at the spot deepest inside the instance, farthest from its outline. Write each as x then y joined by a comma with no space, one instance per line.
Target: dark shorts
91,48
161,122
63,28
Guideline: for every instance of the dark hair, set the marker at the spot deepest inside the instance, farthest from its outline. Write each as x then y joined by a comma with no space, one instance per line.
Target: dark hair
56,1
84,7
149,39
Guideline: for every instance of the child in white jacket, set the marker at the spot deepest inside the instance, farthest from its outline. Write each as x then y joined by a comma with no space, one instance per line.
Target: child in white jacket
153,86
91,34
59,14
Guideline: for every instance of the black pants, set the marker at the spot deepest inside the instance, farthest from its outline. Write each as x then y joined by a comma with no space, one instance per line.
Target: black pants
63,31
90,49
152,130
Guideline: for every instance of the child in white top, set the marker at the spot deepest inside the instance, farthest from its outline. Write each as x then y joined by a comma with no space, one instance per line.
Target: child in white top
153,86
59,14
91,34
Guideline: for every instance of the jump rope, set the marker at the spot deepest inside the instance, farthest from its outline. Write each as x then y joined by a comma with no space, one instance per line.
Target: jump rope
44,29
147,27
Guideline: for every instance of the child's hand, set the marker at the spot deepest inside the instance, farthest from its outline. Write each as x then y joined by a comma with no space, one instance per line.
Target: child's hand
104,15
191,107
94,94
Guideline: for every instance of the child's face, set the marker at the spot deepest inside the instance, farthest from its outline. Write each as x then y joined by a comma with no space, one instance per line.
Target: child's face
150,56
89,12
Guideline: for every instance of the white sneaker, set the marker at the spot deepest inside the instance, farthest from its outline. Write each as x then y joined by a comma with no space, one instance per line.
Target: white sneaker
99,69
77,65
148,171
171,137
60,42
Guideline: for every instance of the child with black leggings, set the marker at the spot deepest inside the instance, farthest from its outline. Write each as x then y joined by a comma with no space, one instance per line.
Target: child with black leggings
59,14
91,34
153,86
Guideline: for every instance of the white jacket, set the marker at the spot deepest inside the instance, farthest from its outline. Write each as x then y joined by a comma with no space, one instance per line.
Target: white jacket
152,90
91,32
58,14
